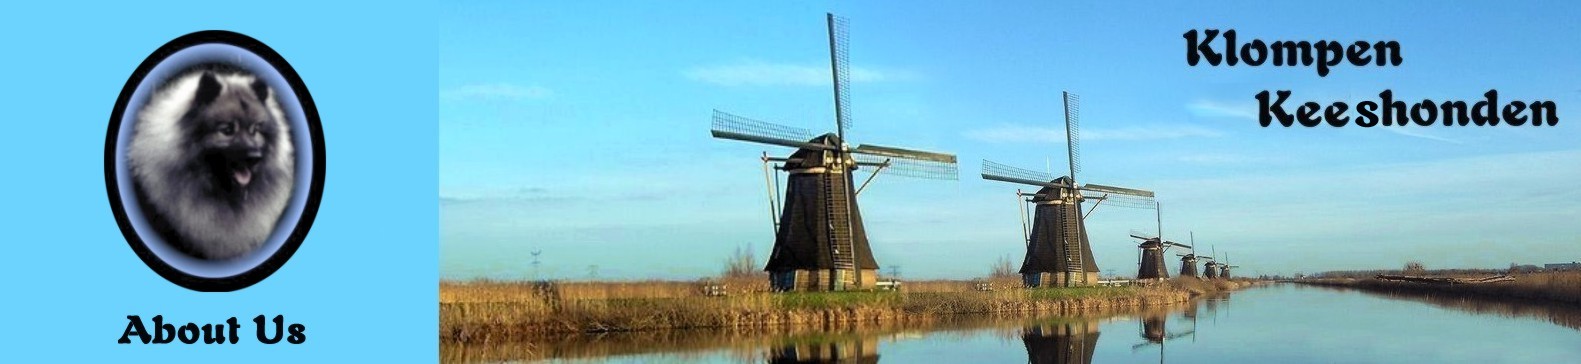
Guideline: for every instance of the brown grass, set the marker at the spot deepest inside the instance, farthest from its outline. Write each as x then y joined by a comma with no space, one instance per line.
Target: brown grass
496,311
746,344
1558,287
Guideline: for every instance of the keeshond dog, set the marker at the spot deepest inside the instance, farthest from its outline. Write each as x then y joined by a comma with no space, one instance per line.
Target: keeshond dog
212,161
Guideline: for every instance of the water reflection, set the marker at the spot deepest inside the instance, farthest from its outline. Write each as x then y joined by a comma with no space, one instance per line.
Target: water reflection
1261,328
853,350
1155,331
1067,342
1555,313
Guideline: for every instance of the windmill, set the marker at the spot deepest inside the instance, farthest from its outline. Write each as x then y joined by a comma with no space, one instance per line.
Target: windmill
819,240
1188,260
1210,270
1224,269
1058,251
535,263
1150,259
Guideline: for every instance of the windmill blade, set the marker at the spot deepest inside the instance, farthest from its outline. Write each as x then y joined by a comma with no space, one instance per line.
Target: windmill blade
1142,235
904,153
1177,244
1124,201
915,168
1116,190
839,60
1073,132
735,127
1006,173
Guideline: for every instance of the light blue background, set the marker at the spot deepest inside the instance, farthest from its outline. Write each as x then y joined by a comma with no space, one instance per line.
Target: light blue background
365,280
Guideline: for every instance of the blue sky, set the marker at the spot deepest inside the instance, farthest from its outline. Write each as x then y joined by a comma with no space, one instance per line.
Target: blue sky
581,129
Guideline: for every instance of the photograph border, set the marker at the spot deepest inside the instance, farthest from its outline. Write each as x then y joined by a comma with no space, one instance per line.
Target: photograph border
298,233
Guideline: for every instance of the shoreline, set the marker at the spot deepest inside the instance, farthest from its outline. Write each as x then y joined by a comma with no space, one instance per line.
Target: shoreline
1551,288
481,312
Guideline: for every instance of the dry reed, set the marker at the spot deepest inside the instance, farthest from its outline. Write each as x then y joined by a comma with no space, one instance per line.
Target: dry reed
1559,287
496,311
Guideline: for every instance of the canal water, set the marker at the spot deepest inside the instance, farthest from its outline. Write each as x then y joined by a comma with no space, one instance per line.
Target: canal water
1282,323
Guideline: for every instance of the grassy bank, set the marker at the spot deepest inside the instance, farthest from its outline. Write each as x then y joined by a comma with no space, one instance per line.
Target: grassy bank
491,311
1549,287
754,344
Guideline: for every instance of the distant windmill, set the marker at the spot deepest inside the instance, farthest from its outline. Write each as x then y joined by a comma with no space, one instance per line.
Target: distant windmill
535,263
1188,261
819,240
1224,269
1210,270
1150,260
1058,250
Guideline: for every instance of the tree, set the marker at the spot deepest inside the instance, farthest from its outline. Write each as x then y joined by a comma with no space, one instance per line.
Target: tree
1003,268
1414,267
741,263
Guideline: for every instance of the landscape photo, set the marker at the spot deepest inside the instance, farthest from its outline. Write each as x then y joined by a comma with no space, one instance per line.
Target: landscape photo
829,181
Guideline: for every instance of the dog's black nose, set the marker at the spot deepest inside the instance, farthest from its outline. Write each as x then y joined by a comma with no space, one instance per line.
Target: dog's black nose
254,156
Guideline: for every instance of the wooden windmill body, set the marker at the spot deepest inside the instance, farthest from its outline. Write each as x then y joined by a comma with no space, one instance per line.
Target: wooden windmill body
1188,265
1188,260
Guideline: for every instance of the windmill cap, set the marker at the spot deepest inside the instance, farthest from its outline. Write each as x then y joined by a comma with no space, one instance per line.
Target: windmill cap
810,158
1050,193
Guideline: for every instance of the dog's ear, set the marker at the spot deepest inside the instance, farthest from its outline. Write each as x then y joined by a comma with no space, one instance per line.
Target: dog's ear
261,89
208,88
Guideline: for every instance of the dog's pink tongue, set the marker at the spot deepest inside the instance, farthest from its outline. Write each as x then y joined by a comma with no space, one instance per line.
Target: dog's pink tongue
243,176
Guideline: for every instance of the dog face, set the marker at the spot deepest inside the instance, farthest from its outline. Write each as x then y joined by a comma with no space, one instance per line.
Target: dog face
233,131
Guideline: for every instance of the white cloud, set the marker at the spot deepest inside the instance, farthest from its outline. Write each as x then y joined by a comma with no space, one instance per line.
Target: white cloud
1219,159
1406,131
495,91
1034,134
759,73
1215,109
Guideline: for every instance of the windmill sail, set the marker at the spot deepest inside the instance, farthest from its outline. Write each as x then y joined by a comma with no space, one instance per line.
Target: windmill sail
839,60
908,162
915,168
1073,132
904,153
735,127
1006,173
1116,190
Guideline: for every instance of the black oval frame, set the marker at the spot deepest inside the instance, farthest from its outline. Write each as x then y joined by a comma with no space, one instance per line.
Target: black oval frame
315,190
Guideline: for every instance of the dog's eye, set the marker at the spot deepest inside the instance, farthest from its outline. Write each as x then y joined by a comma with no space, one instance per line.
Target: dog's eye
228,128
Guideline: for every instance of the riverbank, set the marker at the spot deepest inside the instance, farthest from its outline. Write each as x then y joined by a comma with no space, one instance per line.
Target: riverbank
492,311
759,344
1560,288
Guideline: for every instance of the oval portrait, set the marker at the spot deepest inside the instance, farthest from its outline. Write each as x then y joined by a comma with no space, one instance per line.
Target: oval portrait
214,161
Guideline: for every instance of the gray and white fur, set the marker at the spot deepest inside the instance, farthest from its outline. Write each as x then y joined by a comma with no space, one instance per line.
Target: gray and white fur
212,161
